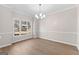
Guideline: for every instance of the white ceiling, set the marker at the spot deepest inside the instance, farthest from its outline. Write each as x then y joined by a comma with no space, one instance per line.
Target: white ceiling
31,9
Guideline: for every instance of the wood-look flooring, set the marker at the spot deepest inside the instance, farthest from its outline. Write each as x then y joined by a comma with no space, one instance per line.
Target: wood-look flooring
39,47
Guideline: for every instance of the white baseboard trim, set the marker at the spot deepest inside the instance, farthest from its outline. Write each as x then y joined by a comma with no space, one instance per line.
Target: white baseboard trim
21,39
5,45
59,41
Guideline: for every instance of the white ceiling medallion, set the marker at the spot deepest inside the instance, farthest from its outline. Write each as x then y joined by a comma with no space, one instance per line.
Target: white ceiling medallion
40,15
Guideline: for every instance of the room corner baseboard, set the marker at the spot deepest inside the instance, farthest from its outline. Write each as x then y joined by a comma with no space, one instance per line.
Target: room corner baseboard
5,45
59,41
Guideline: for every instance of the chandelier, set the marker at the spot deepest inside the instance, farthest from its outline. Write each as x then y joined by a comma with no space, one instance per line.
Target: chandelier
40,15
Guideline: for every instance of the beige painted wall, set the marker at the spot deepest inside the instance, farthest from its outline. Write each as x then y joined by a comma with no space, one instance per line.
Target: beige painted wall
6,26
60,26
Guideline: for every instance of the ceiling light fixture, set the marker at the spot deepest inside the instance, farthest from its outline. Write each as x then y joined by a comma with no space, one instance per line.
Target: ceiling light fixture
40,15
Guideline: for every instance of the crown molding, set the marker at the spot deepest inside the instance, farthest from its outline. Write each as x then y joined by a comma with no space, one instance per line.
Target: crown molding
14,10
58,11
